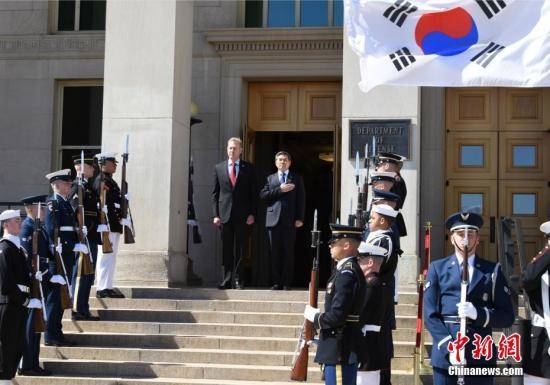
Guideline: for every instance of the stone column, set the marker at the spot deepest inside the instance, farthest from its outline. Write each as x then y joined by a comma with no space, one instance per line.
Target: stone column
147,88
383,102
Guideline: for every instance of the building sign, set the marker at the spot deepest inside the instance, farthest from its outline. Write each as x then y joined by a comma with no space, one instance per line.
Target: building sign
391,136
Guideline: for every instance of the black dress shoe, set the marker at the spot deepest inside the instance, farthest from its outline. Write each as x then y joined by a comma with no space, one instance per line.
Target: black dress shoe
75,316
287,288
226,283
114,293
37,372
102,293
276,287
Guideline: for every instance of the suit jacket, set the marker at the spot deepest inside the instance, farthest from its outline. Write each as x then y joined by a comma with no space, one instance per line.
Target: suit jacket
487,291
236,202
283,207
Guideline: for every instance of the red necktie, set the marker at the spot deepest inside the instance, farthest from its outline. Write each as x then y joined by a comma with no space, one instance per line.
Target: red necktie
233,175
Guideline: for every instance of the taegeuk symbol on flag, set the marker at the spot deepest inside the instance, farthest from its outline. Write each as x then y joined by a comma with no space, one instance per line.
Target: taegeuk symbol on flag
450,42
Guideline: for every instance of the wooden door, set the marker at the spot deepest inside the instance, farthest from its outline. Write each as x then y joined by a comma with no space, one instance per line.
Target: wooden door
497,157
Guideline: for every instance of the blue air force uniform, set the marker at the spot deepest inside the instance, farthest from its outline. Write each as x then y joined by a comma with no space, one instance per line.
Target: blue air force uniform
340,329
488,292
60,218
47,266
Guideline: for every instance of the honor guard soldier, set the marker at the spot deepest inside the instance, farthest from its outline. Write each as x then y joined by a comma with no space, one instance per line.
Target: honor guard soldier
15,281
382,219
91,221
48,276
340,329
382,180
373,347
487,306
536,282
61,224
106,261
390,162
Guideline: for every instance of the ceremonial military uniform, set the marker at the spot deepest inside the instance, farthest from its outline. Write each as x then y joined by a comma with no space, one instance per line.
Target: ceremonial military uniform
340,329
386,239
60,219
535,280
91,220
15,280
487,292
30,364
106,262
373,354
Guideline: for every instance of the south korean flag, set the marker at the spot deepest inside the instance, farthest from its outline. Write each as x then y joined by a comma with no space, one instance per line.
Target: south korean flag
450,42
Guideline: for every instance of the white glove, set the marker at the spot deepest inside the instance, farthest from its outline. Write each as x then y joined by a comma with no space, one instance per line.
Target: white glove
38,276
117,205
105,209
80,248
58,279
59,249
126,222
34,304
127,196
84,230
102,229
466,309
310,313
454,361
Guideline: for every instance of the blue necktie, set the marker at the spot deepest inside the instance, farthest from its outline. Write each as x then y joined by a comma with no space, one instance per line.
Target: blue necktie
282,178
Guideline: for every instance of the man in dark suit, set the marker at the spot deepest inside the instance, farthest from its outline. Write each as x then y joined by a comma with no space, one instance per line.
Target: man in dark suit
234,202
286,200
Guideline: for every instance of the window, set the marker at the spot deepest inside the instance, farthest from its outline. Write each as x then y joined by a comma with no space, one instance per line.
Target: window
524,156
80,15
293,13
471,156
79,121
524,204
471,202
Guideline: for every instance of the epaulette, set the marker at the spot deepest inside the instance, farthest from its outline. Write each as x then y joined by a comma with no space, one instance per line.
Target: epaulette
541,253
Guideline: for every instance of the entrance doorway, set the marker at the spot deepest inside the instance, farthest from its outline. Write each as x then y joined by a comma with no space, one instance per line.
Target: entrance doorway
303,119
498,159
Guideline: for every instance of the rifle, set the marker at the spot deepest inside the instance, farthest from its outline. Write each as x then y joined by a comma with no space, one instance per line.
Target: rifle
299,364
85,262
129,232
65,290
463,293
418,348
39,315
103,220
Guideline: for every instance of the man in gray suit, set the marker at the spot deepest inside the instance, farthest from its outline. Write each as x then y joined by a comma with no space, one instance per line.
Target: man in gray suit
285,196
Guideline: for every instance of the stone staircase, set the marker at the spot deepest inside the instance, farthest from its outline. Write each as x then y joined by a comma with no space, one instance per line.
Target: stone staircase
199,336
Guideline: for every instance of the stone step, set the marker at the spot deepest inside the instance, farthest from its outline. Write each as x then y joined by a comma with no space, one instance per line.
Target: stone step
182,328
69,380
188,355
301,295
397,378
200,316
136,369
223,329
217,305
162,341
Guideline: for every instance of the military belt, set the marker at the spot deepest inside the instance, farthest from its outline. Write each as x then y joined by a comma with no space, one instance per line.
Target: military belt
67,228
454,319
24,289
90,213
352,318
